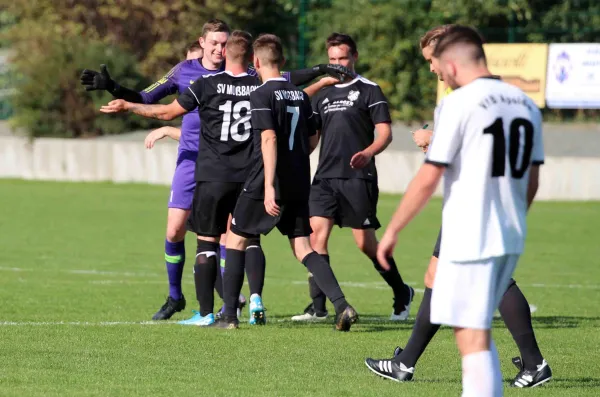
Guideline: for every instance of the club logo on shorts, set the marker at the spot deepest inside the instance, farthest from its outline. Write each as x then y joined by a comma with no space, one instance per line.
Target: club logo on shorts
353,95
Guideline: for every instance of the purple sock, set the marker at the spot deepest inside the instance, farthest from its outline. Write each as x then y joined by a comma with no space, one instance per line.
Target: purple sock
222,256
222,269
175,259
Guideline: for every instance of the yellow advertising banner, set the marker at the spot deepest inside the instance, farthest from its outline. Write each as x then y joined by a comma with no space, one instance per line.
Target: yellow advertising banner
523,65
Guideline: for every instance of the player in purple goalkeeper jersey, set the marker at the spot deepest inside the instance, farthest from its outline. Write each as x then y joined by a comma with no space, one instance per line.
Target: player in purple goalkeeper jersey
214,37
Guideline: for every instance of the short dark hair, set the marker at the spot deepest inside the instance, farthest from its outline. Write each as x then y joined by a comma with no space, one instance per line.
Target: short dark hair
195,46
268,48
433,35
239,46
459,34
215,25
337,39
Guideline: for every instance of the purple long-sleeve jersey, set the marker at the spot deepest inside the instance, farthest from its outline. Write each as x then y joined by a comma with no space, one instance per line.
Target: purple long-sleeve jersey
177,80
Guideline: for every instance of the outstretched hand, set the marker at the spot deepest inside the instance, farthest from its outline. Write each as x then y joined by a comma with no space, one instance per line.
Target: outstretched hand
93,80
116,106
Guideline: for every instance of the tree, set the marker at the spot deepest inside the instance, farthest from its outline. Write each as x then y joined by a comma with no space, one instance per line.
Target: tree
133,37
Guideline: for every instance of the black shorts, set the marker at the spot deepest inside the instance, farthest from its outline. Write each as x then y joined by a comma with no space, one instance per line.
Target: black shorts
212,204
349,202
250,219
436,249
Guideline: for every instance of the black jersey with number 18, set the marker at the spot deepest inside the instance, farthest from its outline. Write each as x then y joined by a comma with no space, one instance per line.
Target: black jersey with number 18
281,106
225,149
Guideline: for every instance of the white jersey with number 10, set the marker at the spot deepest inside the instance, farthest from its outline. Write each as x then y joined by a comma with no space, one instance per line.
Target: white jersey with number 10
488,134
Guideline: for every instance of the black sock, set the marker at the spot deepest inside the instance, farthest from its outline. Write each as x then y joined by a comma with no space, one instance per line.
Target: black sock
233,279
205,274
255,267
516,314
326,280
393,279
422,333
318,297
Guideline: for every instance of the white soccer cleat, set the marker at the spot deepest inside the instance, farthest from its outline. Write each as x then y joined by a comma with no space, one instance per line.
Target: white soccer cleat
310,315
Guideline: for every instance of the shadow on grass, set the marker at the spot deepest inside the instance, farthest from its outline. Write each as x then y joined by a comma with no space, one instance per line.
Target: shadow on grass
575,382
370,322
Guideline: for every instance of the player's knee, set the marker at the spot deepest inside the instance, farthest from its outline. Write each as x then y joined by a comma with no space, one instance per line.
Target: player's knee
253,242
205,250
472,340
301,247
318,240
175,233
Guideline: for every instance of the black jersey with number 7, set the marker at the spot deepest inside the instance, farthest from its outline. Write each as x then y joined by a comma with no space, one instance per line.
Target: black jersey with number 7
281,106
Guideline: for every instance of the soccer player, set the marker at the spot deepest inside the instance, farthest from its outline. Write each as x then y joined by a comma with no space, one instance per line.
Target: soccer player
488,145
213,39
277,190
214,36
344,190
224,159
194,51
514,308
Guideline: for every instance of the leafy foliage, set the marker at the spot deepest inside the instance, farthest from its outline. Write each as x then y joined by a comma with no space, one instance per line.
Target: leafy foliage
53,40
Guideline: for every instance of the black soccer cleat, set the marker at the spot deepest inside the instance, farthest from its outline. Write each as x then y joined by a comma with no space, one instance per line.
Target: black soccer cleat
226,323
402,309
390,370
170,307
345,319
397,351
531,378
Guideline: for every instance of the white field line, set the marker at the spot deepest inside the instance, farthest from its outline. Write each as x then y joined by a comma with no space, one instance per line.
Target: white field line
350,284
81,323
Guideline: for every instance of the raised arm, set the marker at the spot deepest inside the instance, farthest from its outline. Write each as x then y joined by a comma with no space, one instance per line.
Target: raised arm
93,80
186,102
312,89
305,76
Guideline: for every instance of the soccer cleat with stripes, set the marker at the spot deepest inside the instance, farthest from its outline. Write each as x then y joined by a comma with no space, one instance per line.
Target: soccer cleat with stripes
531,378
345,319
390,370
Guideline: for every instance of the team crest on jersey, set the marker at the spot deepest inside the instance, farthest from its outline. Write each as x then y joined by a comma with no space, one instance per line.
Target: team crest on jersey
353,95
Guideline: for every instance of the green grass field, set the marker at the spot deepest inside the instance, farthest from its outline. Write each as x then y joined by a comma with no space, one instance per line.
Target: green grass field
82,272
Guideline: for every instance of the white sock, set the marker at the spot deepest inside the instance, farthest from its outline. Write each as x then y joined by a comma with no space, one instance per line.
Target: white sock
481,374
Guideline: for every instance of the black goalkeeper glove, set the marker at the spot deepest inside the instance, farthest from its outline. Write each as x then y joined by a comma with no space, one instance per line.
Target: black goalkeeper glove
93,80
340,72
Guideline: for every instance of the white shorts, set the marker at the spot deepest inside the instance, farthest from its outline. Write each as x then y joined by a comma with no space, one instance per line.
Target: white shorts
466,294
